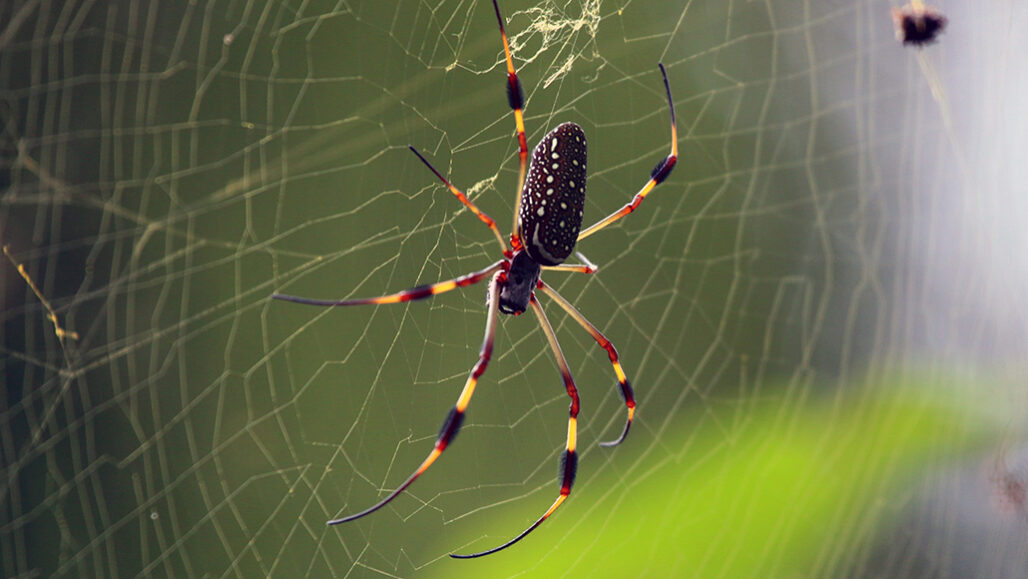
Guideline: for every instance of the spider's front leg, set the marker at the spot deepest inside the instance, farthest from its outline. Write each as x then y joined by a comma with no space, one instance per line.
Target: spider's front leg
516,100
657,176
464,199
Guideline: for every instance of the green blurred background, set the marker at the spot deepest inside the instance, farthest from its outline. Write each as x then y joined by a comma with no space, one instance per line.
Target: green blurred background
821,309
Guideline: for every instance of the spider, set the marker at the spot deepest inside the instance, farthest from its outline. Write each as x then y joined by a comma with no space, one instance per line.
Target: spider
547,221
917,23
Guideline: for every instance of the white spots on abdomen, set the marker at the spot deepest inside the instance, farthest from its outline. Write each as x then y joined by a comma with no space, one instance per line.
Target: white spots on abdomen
550,230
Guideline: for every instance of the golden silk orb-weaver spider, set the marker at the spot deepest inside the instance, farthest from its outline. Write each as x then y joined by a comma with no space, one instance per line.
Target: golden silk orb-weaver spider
547,222
918,24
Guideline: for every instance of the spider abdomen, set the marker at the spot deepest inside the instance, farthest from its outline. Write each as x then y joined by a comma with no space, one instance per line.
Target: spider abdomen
553,200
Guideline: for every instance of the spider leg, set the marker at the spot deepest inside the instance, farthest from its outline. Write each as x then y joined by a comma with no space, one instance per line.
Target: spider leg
660,172
417,293
569,461
571,268
464,199
453,421
612,353
586,266
516,99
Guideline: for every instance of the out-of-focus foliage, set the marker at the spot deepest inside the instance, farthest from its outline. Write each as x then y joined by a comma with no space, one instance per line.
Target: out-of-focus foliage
787,487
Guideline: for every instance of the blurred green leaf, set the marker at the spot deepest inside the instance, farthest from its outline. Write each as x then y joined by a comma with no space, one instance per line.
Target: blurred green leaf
796,488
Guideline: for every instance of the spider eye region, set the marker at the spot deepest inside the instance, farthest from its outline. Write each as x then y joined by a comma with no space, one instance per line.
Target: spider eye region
553,200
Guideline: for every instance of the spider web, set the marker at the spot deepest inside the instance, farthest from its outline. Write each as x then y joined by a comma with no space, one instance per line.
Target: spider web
821,310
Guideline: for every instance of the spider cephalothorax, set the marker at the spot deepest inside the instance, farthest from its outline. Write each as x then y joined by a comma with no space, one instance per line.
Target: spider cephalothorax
547,222
521,280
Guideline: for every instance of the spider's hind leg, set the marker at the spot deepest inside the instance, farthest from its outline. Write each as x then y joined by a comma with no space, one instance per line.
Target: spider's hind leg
625,386
569,459
454,420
